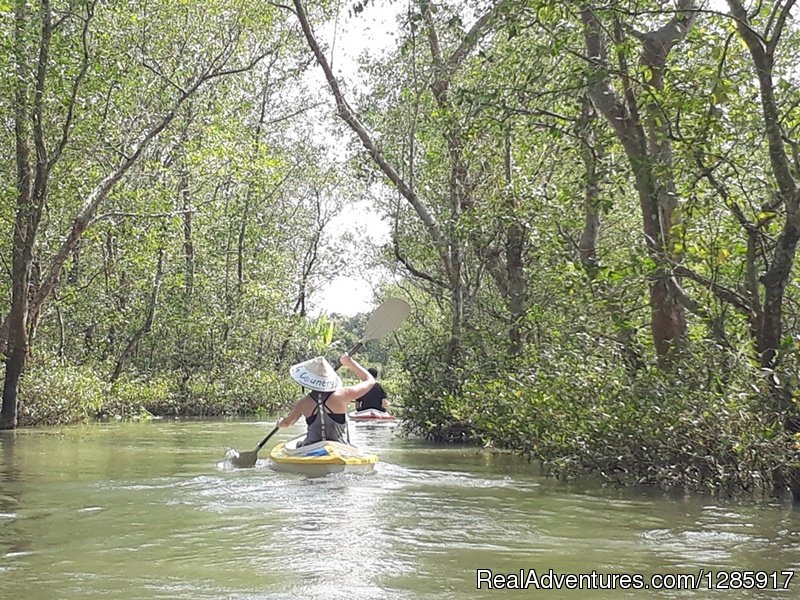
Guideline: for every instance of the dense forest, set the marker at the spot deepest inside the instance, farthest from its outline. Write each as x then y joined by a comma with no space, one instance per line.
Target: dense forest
594,214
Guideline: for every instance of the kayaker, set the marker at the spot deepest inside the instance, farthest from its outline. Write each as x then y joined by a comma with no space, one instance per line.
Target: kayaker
328,393
375,398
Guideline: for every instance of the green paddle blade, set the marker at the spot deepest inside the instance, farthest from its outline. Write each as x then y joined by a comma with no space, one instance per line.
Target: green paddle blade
386,318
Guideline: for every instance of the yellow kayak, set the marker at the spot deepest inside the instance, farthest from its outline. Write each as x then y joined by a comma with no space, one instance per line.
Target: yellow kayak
321,458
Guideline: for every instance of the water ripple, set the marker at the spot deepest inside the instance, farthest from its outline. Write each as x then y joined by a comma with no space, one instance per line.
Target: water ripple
167,520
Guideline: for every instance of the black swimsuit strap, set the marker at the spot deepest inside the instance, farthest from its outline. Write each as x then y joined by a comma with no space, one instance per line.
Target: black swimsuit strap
338,417
322,402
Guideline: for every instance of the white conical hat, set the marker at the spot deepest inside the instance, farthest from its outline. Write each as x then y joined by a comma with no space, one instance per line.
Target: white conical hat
316,374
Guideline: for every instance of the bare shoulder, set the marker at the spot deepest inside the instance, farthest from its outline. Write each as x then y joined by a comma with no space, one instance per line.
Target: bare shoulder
339,399
306,404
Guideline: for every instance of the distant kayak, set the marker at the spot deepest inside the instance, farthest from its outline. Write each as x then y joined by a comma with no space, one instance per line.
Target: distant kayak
371,414
321,458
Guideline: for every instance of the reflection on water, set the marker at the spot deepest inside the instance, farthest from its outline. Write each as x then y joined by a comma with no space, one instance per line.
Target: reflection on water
152,510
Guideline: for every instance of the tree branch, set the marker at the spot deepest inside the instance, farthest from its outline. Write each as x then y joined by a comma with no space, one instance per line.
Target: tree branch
410,268
723,293
121,214
763,62
447,67
65,128
775,35
348,115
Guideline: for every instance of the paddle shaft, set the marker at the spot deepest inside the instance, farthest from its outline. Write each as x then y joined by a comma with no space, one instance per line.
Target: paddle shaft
269,435
359,345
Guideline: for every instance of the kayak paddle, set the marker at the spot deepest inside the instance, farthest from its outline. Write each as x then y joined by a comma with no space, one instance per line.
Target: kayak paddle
386,318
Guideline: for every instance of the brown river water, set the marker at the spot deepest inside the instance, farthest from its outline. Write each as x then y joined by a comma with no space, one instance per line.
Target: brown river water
152,510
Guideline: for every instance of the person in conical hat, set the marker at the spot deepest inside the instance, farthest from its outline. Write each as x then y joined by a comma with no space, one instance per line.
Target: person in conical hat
325,406
316,374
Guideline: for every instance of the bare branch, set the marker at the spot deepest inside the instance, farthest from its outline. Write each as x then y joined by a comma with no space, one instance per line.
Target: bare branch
349,116
722,191
292,114
410,268
132,215
156,70
725,294
65,129
775,36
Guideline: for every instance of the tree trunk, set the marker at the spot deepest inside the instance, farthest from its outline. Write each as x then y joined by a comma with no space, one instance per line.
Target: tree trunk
15,365
592,154
31,194
453,351
774,282
770,326
18,331
648,149
188,241
241,246
147,325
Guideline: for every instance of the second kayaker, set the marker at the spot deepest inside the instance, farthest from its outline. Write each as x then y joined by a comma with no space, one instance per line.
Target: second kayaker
375,398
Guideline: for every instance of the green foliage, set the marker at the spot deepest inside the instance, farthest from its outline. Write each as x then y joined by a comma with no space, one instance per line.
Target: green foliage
576,413
235,204
56,393
229,392
320,334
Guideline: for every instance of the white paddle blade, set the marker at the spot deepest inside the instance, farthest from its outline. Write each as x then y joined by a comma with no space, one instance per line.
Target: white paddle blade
386,318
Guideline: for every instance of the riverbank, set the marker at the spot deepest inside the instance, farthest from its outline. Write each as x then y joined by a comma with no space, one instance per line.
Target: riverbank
684,431
622,433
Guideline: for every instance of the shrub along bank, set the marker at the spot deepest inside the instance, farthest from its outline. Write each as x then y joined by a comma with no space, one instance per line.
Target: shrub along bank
699,429
55,393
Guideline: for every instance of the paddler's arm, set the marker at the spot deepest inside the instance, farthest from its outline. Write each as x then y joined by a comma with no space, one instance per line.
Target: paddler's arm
353,392
294,414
